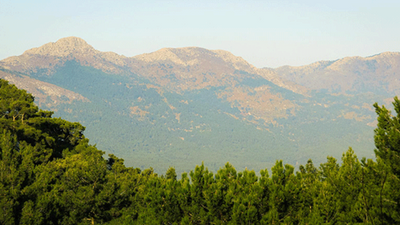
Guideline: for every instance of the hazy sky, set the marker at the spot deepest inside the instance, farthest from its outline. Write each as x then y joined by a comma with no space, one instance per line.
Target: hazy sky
268,33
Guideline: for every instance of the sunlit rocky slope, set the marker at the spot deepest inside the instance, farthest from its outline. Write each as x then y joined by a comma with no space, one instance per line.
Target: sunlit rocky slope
378,74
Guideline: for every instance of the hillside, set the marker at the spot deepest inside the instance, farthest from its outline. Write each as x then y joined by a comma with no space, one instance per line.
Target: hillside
46,94
183,106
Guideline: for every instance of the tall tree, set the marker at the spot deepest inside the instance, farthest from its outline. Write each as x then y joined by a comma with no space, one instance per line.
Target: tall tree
387,136
387,142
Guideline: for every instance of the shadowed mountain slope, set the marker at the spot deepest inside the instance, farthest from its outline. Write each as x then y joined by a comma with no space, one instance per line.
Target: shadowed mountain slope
45,93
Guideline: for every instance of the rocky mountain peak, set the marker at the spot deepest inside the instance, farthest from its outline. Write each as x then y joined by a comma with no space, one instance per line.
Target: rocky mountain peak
63,47
189,56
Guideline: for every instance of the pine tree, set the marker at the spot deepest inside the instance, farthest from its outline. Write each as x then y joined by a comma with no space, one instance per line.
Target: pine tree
284,198
310,179
247,199
387,142
387,136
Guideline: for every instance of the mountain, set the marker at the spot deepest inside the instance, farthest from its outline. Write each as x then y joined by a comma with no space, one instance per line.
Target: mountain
186,105
378,74
176,70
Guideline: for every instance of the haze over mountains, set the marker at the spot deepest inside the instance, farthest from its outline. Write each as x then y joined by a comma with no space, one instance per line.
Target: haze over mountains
186,105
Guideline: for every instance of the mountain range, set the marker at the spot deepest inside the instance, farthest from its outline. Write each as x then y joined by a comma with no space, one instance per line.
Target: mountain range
180,106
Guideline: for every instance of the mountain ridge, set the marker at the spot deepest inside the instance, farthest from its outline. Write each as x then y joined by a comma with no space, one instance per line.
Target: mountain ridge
183,62
378,73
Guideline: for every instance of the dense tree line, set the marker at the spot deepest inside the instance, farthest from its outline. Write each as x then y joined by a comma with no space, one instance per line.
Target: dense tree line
50,174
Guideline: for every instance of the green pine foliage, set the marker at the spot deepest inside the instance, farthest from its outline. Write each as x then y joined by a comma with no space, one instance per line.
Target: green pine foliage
50,174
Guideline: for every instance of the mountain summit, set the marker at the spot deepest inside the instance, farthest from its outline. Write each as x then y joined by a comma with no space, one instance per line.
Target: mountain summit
51,55
63,47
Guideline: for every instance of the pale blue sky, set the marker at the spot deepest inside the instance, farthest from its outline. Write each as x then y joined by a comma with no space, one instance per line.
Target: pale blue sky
267,33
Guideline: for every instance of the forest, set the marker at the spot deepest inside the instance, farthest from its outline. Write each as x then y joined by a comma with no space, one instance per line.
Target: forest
50,174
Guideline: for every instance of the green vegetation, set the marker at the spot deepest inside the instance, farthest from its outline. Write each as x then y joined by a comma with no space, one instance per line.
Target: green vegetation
50,174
